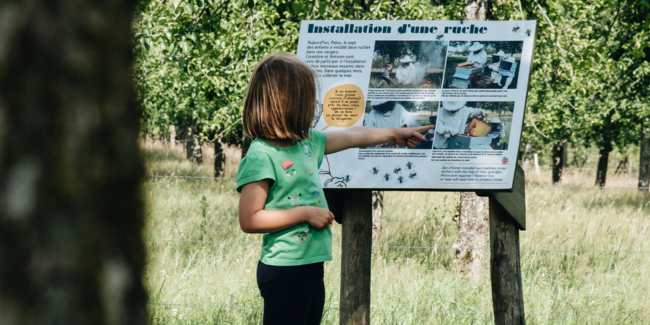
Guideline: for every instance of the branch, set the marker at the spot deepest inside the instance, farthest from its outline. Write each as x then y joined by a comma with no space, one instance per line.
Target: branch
218,136
557,38
566,101
609,29
535,126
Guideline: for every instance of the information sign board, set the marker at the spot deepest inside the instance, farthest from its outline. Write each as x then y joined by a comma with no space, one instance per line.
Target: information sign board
468,79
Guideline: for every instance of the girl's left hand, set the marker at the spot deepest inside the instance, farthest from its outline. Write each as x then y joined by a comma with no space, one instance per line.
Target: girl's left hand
411,137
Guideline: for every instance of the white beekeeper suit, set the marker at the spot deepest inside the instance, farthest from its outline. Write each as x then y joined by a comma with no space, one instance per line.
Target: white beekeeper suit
495,67
498,128
406,73
452,120
477,54
393,118
497,132
509,78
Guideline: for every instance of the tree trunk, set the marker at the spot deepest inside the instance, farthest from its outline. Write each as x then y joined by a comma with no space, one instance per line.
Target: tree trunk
245,144
601,172
473,227
377,214
536,161
71,214
478,10
193,145
473,233
172,137
622,166
559,161
219,159
644,159
527,157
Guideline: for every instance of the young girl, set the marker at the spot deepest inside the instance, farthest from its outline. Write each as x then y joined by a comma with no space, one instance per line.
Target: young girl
281,193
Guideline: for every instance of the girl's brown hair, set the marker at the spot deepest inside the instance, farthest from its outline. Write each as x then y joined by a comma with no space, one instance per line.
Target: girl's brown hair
281,99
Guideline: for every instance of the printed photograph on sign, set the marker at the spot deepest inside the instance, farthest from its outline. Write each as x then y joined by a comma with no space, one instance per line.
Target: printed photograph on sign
473,125
408,64
402,114
483,64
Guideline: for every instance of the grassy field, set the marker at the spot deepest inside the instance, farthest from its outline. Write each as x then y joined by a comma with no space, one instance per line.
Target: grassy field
214,282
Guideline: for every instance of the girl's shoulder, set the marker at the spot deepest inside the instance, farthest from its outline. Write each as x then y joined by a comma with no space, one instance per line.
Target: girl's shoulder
318,138
257,165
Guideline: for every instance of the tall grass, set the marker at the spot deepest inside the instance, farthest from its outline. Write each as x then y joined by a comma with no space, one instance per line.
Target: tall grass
213,282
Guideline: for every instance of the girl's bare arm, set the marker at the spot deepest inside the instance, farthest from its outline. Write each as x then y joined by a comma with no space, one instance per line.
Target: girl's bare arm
254,219
359,136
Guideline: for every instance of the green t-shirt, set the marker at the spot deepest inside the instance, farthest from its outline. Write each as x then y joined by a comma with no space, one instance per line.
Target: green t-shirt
293,172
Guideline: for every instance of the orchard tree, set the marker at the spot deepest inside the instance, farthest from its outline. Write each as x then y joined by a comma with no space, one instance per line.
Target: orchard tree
612,82
590,77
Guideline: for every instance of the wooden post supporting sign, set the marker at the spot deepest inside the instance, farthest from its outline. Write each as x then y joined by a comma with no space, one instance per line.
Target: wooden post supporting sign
353,208
507,217
355,258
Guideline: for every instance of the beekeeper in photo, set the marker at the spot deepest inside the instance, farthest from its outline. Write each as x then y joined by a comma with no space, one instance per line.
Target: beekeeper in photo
497,132
494,67
477,54
406,73
507,73
389,114
452,120
385,77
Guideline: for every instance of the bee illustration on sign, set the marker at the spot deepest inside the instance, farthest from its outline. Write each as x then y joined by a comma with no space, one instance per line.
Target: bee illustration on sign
400,179
387,177
413,175
375,170
409,165
516,28
347,178
397,169
528,32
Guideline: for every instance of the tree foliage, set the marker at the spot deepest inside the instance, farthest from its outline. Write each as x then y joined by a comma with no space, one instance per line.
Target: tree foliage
590,76
589,81
194,58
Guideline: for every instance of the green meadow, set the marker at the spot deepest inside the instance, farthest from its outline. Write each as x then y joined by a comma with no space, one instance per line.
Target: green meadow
201,266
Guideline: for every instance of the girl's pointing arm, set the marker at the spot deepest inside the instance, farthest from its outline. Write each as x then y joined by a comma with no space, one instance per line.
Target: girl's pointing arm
359,136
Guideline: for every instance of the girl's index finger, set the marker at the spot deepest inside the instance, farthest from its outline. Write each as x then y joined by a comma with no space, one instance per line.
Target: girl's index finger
424,128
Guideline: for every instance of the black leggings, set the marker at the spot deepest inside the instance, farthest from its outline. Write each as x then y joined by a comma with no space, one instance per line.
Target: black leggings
292,294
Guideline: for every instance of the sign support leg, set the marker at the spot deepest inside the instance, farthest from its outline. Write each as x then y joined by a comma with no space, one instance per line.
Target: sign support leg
507,217
505,269
356,249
